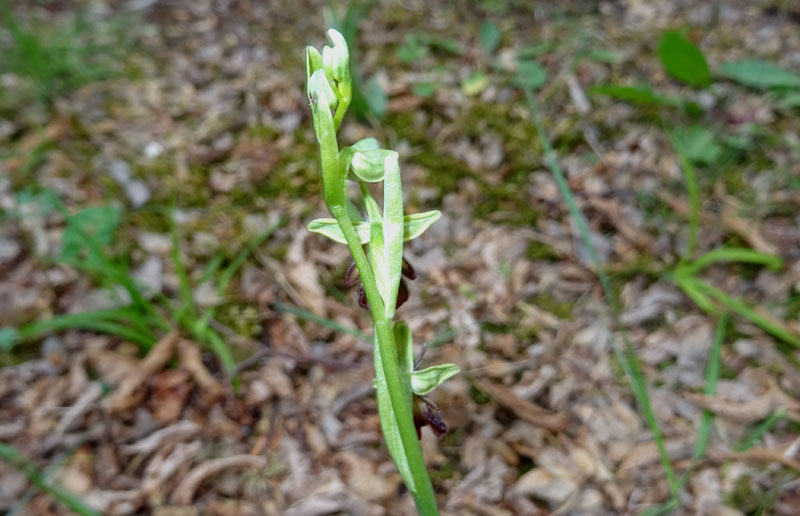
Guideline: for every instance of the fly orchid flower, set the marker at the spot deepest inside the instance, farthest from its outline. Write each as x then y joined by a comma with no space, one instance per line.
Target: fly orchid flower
376,243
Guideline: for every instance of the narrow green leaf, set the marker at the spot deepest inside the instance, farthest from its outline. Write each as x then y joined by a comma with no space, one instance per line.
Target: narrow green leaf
643,94
426,380
694,194
767,323
790,99
758,432
35,475
760,74
698,143
9,338
388,418
322,321
424,89
604,55
413,50
683,60
489,36
531,51
627,356
712,377
735,254
530,74
376,98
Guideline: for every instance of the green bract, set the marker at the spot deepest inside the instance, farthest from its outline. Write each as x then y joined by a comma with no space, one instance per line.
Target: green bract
384,229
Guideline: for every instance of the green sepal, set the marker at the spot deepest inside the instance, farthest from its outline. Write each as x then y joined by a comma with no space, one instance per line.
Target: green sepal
313,61
426,380
416,223
413,226
330,228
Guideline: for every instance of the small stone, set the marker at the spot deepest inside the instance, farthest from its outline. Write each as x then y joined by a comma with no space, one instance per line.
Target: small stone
542,484
120,171
9,249
153,150
137,192
154,243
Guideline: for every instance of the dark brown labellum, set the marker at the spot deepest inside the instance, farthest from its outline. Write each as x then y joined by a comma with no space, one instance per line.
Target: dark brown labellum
408,270
427,413
362,297
402,294
351,276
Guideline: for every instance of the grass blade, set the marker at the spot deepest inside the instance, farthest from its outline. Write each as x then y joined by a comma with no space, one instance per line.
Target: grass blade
758,432
237,262
766,322
322,321
712,377
627,358
99,320
734,254
694,197
35,475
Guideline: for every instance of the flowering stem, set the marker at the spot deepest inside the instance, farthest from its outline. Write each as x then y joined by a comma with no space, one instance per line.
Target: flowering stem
329,88
386,353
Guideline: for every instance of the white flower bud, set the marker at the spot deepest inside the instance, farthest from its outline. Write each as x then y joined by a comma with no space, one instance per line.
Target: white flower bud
320,91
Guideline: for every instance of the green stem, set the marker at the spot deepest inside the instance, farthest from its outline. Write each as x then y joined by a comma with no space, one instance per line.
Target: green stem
694,199
423,492
335,192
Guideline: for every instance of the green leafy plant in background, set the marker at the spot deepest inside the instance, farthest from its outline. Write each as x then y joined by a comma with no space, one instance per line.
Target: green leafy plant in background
709,298
59,59
139,316
625,356
683,60
400,386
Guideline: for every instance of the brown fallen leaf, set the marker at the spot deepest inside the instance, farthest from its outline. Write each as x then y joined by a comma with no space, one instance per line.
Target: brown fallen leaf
747,230
612,209
185,491
759,454
191,360
645,453
521,408
748,411
168,393
123,396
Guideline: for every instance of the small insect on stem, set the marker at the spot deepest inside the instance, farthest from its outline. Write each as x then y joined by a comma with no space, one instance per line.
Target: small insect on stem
314,99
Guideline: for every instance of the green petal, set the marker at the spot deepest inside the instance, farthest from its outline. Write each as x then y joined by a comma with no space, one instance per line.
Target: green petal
416,224
426,380
330,228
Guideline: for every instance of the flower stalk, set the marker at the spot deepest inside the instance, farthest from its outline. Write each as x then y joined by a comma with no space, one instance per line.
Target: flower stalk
382,232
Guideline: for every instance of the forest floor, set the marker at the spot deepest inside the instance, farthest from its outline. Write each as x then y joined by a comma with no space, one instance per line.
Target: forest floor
175,342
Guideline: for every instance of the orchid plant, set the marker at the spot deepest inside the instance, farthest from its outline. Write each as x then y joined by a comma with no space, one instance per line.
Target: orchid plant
375,240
